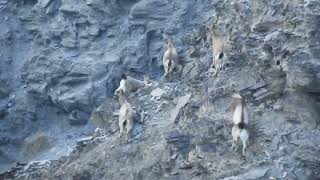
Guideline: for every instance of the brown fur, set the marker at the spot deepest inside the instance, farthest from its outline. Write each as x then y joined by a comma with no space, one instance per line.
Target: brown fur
217,49
132,84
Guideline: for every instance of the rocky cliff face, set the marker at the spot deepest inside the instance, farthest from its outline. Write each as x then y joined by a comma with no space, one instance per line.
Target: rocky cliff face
60,60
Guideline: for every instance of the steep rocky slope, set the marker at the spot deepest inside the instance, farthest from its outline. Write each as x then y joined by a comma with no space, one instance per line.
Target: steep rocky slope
62,59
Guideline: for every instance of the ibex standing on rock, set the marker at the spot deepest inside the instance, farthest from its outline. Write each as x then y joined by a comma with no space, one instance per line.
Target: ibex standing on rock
130,84
217,49
126,116
170,57
240,119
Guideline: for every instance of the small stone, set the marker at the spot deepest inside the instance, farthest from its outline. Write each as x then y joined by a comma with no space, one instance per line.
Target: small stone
77,118
181,102
157,93
185,165
93,31
278,106
209,164
8,61
269,102
174,156
98,132
262,106
174,173
256,173
84,140
68,42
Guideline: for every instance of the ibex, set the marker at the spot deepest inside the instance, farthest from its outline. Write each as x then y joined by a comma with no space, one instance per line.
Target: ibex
240,121
126,116
217,49
170,57
130,84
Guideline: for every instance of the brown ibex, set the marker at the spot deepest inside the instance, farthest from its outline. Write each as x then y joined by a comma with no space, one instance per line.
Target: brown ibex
130,84
217,49
126,116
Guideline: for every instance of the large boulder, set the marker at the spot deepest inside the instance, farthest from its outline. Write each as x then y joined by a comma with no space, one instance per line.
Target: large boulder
104,117
304,73
36,144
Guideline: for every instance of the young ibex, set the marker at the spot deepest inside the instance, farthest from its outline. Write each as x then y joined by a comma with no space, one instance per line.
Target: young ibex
170,57
130,84
126,116
217,49
240,121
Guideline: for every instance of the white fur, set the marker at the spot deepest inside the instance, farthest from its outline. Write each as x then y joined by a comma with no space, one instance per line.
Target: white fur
236,132
122,86
235,95
169,56
166,65
242,134
217,64
236,118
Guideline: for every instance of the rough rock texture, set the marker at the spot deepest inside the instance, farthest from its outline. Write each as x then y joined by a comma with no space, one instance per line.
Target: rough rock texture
61,60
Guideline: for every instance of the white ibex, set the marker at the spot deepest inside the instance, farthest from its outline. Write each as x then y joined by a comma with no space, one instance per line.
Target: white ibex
240,119
170,57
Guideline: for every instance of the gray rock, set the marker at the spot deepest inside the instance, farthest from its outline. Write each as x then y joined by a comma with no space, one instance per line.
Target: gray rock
103,117
69,42
68,7
63,59
4,89
304,75
278,106
180,141
93,31
144,10
77,117
252,174
43,3
84,141
181,102
157,93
